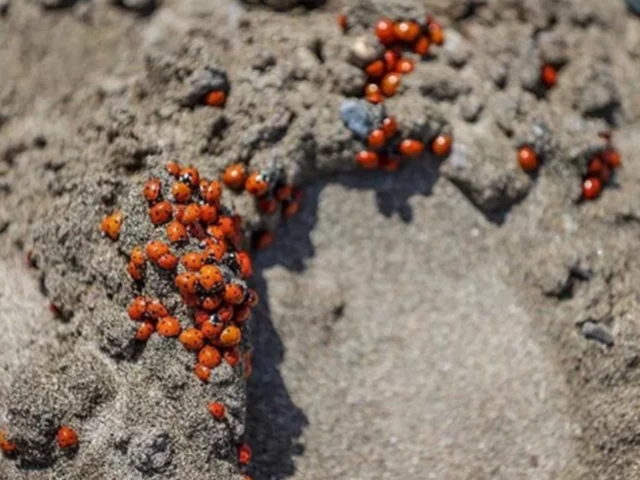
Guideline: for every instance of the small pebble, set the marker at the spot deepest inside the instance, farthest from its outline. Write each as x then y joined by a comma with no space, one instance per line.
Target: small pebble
599,333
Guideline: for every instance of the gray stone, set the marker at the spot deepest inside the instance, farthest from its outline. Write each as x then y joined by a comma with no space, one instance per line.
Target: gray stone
361,117
597,332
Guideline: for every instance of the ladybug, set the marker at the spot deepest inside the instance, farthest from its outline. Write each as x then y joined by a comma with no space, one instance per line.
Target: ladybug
411,148
227,226
190,299
209,356
406,31
7,446
176,232
389,127
156,249
441,145
375,69
390,59
145,330
390,84
257,184
160,213
156,310
202,372
231,356
436,32
168,327
216,232
235,176
263,239
187,283
216,409
421,47
377,138
368,160
284,193
213,192
549,76
152,189
528,159
225,313
244,454
215,252
230,336
168,261
137,256
190,175
252,297
193,261
174,169
208,214
342,21
191,214
385,31
612,157
211,330
110,225
591,188
244,261
291,209
390,163
181,192
192,339
137,308
211,303
241,314
268,205
216,98
66,437
233,293
210,277
134,271
200,316
405,65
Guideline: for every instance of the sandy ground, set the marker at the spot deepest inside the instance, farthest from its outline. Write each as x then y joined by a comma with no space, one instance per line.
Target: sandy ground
402,332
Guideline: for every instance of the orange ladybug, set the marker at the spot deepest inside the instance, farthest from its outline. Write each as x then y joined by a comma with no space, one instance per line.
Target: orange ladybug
230,336
244,454
241,314
169,327
216,98
137,256
591,188
156,249
441,145
152,189
256,184
156,310
211,330
263,239
190,175
375,69
210,277
528,159
212,193
233,294
385,31
211,303
191,214
181,192
160,213
225,313
390,84
421,47
168,261
111,224
187,283
436,32
368,160
217,410
66,437
231,356
252,297
209,356
246,266
377,138
389,127
208,214
235,176
144,332
192,339
176,232
134,271
137,308
202,372
411,148
406,31
7,446
193,261
174,169
549,76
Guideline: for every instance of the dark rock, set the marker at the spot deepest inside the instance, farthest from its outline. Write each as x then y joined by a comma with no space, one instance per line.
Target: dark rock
361,117
597,332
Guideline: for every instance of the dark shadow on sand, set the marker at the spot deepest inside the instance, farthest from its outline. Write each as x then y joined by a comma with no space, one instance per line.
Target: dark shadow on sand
274,422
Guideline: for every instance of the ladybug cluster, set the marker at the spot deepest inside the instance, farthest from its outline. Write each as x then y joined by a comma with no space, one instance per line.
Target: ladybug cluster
66,438
203,252
600,170
386,148
272,194
385,73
